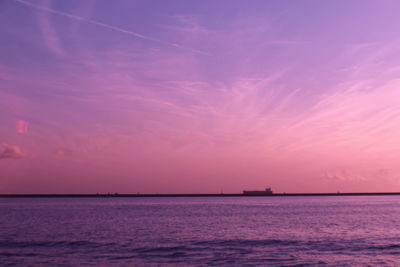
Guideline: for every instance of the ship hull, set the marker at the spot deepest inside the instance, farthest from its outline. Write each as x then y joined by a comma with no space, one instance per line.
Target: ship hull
257,193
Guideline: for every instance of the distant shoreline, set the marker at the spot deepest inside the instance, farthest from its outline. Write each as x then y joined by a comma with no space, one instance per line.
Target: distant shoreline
190,195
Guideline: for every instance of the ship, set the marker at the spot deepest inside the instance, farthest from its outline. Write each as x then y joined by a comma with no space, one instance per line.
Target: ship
267,191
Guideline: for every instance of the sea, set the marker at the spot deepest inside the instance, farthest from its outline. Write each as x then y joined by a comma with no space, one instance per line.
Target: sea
201,231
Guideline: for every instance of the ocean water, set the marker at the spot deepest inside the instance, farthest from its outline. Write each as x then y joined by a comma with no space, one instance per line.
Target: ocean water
201,231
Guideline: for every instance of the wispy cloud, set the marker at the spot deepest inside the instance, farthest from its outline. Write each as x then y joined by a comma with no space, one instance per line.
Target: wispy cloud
271,98
49,32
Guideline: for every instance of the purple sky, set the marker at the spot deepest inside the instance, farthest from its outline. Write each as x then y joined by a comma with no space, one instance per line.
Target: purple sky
199,96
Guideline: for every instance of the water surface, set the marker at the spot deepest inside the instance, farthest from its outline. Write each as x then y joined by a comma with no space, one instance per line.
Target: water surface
198,231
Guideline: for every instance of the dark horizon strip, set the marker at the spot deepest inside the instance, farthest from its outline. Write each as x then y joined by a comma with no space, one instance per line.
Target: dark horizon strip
191,195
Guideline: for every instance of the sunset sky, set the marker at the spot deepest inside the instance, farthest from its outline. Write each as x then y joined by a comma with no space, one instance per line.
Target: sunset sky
199,96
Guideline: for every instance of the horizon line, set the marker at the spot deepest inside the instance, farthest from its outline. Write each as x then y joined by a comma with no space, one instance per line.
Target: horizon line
196,195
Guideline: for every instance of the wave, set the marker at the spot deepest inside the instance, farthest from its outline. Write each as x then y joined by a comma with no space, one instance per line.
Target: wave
47,244
202,244
247,242
225,250
386,247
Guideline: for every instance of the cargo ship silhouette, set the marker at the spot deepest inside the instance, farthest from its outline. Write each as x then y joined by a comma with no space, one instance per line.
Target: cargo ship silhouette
267,191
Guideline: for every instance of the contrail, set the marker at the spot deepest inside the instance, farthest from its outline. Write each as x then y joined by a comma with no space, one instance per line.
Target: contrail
117,29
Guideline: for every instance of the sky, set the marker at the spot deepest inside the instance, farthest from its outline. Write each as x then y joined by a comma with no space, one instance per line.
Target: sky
206,96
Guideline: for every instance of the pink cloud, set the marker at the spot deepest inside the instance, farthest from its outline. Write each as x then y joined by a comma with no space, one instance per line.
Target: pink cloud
67,151
11,152
22,127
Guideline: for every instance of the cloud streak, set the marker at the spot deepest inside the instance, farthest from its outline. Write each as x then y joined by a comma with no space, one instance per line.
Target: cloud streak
104,25
49,33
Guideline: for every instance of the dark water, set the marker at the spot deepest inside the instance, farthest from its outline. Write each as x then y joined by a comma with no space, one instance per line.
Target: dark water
244,231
